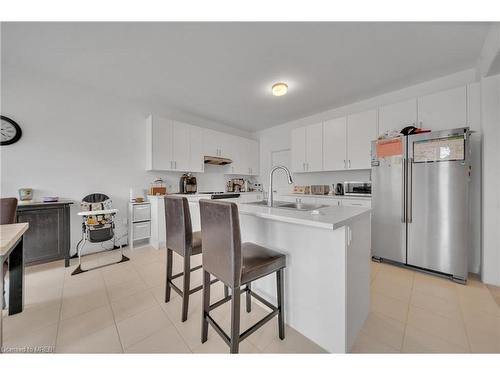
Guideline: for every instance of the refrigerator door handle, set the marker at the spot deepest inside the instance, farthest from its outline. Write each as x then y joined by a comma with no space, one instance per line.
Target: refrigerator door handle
409,208
403,195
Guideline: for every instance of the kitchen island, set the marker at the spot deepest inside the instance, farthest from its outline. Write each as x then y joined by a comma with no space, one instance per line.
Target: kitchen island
327,278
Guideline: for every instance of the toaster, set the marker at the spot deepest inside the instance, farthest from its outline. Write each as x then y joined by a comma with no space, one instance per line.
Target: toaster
320,189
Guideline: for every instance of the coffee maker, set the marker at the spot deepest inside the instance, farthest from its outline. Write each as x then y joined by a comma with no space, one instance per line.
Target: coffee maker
187,184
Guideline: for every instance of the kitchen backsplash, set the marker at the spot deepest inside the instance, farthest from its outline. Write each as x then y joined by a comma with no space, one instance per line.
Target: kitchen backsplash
328,178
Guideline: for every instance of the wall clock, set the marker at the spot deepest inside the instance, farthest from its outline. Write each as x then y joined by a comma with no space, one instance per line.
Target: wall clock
10,131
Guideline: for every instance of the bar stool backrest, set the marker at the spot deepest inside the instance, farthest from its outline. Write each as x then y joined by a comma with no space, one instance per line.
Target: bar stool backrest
8,207
178,225
221,239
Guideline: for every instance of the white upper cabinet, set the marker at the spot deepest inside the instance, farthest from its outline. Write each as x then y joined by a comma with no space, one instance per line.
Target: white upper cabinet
361,131
245,156
397,116
298,145
181,144
159,143
253,157
211,142
443,110
307,148
177,146
334,144
314,148
196,157
218,144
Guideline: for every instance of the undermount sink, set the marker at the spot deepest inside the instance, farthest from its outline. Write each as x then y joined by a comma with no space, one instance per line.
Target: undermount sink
290,205
302,206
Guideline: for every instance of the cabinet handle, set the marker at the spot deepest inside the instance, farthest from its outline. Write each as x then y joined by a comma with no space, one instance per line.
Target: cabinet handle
171,165
349,163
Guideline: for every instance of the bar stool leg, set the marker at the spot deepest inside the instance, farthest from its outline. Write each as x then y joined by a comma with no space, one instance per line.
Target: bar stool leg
235,320
169,275
280,289
186,287
205,306
248,298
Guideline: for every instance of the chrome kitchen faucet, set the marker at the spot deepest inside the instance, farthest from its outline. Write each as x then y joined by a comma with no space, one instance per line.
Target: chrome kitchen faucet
290,181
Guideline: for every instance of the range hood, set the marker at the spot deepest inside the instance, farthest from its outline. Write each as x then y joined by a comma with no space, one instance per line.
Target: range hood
217,160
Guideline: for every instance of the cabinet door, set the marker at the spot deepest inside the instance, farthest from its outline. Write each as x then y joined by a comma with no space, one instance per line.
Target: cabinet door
314,148
226,145
44,240
443,110
298,143
196,162
361,130
236,149
211,142
253,157
181,146
334,144
397,116
161,141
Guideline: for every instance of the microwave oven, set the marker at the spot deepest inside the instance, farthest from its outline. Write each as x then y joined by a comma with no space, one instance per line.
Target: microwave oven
356,188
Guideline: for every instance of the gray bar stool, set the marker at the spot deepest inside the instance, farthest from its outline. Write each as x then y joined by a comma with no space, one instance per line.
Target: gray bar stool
235,264
185,242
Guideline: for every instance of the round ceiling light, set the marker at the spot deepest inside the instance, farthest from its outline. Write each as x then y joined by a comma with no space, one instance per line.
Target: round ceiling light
280,89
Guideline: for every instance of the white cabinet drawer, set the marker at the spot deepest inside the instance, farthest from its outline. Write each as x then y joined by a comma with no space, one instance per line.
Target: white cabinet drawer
329,201
141,212
142,230
356,203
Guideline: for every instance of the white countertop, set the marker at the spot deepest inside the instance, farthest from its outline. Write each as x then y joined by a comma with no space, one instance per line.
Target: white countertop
328,196
327,218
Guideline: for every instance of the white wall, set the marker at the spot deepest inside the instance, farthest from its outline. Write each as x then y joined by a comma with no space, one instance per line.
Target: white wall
78,141
490,112
278,138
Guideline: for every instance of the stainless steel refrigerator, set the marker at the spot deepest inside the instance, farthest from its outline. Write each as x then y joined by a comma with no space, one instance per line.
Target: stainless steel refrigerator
420,201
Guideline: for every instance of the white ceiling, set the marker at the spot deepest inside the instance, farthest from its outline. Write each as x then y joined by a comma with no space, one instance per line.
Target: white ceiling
224,71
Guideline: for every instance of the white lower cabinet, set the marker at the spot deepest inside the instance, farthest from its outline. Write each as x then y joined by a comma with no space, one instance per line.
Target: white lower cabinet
356,203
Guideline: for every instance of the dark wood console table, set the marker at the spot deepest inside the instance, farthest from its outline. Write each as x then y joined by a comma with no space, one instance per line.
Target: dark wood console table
48,236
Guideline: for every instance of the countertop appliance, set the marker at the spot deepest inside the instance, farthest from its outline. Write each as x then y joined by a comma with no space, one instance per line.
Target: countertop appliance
187,184
358,189
339,189
420,201
320,189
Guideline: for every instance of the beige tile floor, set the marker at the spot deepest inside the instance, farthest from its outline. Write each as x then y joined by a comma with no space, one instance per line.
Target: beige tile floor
412,312
120,308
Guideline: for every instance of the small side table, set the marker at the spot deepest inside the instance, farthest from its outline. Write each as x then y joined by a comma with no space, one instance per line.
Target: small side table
139,222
